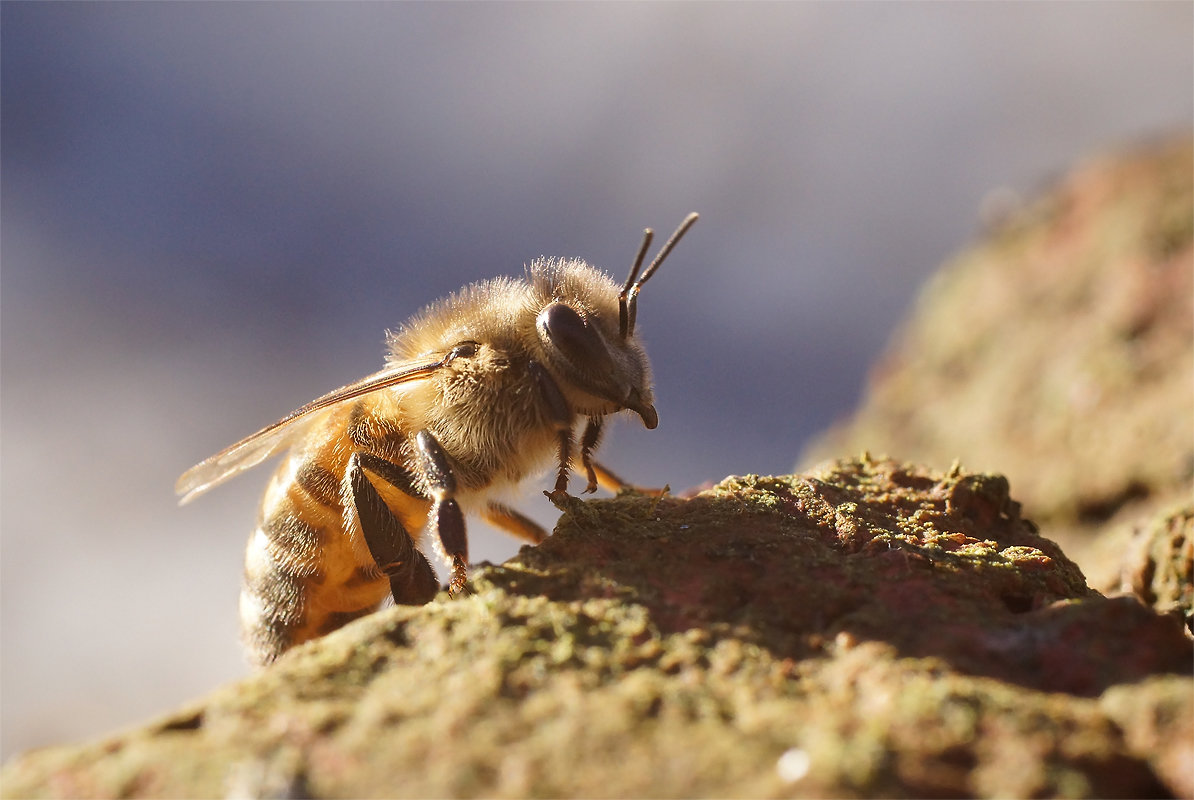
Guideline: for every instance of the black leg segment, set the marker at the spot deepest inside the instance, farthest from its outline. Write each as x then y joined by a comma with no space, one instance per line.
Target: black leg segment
588,443
412,581
445,517
561,417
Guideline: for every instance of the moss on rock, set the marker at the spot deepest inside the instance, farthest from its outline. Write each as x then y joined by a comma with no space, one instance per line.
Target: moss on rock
870,628
1058,351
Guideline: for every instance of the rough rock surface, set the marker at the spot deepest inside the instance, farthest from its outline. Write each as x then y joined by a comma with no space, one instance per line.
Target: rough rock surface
1159,565
869,629
1059,352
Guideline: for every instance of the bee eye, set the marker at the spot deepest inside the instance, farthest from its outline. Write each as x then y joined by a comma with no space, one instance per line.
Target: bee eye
463,350
564,327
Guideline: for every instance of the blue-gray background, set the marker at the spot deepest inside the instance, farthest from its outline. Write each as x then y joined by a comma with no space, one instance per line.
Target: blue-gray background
212,211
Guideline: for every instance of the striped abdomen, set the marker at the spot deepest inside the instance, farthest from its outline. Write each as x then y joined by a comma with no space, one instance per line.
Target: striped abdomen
307,569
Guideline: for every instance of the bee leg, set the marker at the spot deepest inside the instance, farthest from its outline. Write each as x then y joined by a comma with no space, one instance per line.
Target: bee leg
412,581
561,417
611,481
446,518
514,523
588,443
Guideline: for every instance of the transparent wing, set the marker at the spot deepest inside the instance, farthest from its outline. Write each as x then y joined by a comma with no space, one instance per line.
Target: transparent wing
252,450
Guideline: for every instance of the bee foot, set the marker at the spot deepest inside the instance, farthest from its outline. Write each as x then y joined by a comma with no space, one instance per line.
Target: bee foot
559,498
459,576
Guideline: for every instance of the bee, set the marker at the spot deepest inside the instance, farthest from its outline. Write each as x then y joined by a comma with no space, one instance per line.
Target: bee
480,391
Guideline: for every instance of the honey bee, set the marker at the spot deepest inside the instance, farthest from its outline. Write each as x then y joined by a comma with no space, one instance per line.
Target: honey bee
480,391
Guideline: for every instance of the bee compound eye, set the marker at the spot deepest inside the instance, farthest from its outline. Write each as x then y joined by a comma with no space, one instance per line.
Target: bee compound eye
464,350
563,326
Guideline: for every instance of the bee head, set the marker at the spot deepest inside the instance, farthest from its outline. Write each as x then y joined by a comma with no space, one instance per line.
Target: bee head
602,364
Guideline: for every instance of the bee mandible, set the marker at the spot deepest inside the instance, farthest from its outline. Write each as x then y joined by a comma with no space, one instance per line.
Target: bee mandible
480,391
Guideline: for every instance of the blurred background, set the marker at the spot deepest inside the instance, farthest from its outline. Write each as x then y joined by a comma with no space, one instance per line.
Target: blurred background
211,213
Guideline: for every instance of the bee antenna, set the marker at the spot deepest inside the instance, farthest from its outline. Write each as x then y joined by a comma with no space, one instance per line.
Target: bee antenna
624,326
628,299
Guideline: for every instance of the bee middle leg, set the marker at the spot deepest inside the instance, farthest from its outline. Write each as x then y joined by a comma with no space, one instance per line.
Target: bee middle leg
412,580
447,520
514,523
607,479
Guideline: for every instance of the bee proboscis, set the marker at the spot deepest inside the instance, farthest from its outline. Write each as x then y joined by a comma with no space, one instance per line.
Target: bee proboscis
480,391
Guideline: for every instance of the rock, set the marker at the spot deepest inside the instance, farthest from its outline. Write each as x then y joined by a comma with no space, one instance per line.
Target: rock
1159,567
870,628
1059,352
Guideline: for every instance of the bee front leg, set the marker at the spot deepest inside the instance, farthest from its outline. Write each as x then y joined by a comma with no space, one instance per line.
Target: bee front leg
599,475
561,417
445,516
588,443
412,581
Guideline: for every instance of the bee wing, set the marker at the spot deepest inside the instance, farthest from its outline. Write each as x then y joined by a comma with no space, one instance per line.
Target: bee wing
252,450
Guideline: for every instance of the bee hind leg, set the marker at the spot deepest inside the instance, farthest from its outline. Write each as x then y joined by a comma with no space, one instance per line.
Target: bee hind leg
446,518
412,580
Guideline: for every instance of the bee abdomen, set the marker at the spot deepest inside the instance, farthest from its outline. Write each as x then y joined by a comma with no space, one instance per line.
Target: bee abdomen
319,484
302,578
282,573
272,609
